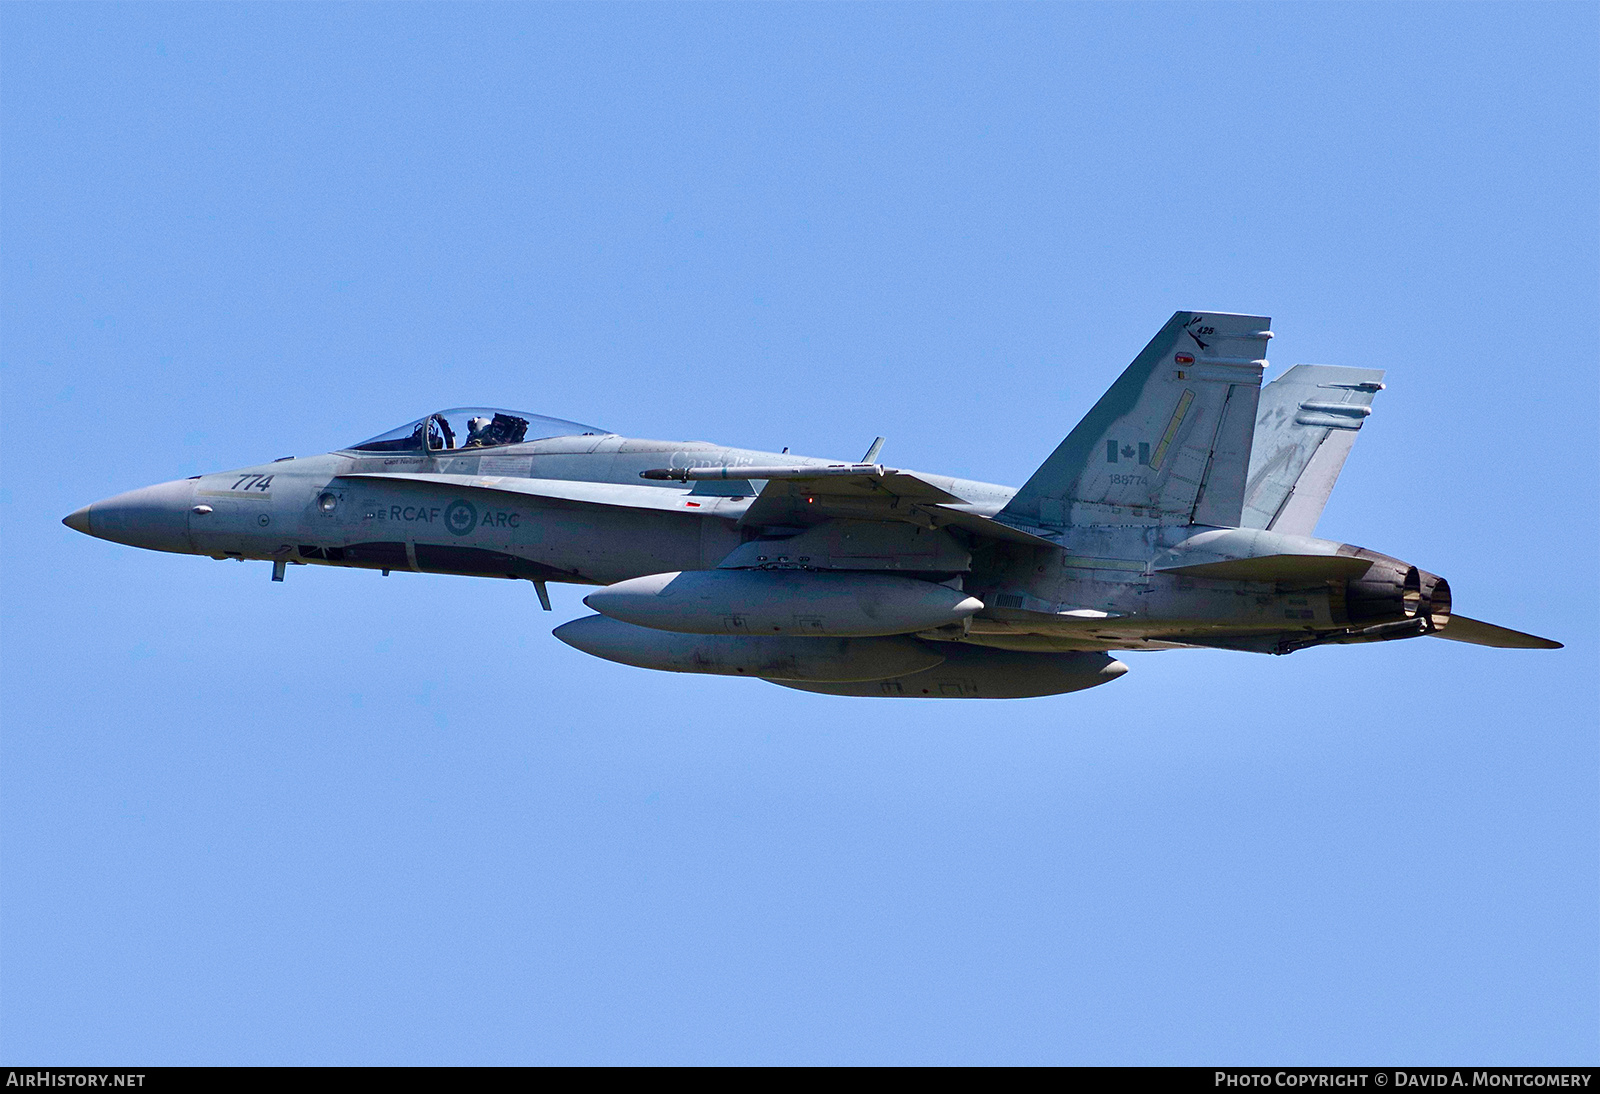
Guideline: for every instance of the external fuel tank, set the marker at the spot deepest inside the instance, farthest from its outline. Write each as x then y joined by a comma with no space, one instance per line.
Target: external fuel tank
801,603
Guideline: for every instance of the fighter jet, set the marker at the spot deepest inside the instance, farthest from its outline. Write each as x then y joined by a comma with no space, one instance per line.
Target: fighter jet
1178,514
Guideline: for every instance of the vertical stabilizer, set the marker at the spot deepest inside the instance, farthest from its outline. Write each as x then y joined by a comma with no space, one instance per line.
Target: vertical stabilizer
1169,443
1306,425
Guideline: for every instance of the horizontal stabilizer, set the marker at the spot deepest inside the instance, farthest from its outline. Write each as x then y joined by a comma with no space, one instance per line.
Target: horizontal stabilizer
1462,629
1278,568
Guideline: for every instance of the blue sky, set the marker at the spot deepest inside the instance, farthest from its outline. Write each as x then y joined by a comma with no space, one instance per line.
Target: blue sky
354,820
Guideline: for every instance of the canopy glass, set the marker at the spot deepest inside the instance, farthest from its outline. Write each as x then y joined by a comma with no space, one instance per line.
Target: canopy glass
473,427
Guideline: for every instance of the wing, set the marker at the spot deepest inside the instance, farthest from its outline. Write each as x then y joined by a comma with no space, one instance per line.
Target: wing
807,494
800,495
1462,629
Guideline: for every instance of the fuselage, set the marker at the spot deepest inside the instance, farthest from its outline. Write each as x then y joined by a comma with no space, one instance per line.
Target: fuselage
1178,512
465,512
356,509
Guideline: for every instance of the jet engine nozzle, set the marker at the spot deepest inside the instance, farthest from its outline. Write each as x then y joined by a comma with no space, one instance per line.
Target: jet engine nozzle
1435,599
1392,591
1389,592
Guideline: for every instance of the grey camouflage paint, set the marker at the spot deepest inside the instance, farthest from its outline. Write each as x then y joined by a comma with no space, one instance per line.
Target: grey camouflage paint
1176,514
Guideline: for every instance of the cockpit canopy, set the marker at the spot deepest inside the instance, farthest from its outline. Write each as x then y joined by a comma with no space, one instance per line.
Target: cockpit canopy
473,427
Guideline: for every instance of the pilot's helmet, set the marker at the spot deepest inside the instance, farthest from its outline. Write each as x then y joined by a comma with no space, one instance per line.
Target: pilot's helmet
477,425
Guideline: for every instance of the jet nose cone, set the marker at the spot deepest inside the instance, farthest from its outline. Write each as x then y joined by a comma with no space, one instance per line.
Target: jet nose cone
78,520
153,517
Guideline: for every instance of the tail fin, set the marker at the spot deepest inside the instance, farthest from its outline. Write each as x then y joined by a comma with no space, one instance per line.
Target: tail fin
1169,443
1305,426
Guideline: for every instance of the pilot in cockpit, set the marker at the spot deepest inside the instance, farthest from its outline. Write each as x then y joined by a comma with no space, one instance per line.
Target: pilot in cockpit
479,432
